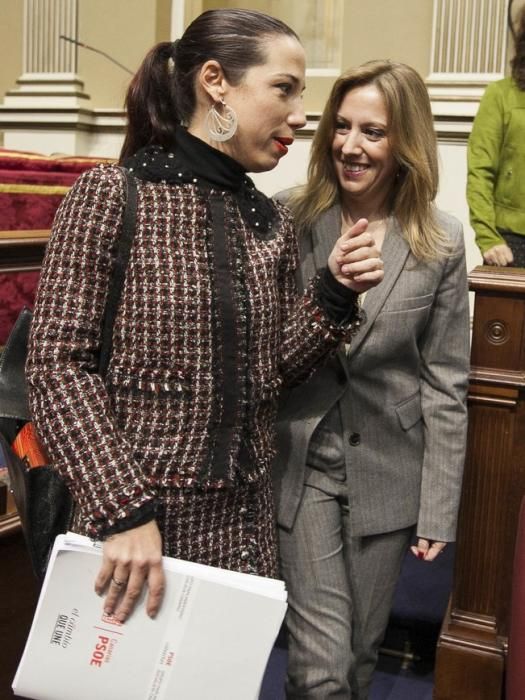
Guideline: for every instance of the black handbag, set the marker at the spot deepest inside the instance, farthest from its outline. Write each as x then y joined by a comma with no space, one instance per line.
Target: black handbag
43,502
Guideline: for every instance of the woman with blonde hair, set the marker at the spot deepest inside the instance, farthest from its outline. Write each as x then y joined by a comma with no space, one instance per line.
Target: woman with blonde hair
371,447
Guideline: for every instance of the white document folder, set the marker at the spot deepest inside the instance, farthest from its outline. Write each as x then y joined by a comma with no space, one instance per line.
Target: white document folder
210,640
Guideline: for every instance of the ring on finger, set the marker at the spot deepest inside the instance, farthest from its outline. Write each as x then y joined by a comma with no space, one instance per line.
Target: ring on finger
117,582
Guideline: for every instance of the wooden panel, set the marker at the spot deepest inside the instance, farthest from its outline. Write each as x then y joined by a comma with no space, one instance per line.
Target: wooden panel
498,341
470,661
18,595
22,250
474,673
489,511
481,506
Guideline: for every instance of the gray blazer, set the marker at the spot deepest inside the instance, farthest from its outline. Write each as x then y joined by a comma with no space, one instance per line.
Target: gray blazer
402,391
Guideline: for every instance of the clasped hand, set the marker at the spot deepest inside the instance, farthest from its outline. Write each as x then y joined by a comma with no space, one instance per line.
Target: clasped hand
500,255
427,549
355,260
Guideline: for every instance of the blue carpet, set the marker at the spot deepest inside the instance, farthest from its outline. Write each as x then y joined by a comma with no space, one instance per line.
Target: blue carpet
391,681
273,681
419,605
394,682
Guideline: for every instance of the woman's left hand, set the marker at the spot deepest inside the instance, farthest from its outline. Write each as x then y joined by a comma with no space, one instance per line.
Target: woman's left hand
131,560
427,549
355,260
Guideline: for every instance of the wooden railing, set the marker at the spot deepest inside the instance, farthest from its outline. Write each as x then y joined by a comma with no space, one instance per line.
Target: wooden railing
22,250
472,647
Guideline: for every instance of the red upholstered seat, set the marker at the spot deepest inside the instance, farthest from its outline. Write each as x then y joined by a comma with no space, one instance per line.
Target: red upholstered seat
31,188
515,683
35,162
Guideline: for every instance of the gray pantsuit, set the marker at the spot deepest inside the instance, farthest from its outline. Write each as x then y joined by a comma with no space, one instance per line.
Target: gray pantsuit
400,392
336,657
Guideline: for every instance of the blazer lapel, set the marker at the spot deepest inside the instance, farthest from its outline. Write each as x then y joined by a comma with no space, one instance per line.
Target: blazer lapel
394,253
315,245
324,235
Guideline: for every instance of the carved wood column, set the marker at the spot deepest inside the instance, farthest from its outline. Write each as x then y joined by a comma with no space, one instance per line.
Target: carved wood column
470,661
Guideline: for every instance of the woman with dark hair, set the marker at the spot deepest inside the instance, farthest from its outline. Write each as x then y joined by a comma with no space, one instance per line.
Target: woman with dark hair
496,165
170,453
371,446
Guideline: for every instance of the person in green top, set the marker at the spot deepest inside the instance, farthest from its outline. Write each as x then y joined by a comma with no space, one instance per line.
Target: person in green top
496,165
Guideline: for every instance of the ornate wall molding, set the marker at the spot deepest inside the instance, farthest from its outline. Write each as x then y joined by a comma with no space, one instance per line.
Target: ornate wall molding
44,22
49,94
469,49
49,63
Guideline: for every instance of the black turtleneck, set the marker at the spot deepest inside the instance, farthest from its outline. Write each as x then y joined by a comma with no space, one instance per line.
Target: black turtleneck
194,161
208,163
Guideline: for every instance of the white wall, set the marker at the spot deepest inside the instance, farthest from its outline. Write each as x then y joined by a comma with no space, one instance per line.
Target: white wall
291,170
451,197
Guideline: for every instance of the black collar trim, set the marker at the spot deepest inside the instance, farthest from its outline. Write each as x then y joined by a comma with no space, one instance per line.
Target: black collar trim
193,161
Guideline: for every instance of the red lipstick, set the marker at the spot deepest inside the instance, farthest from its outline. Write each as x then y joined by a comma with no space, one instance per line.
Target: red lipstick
282,143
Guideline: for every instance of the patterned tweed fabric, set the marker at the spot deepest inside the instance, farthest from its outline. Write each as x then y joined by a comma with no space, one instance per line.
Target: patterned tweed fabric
149,435
231,528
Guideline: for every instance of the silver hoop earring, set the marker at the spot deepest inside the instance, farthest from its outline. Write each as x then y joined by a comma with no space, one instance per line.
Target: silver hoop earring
221,127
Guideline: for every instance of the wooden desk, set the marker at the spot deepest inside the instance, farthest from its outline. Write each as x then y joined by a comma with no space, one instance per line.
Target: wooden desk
472,648
22,250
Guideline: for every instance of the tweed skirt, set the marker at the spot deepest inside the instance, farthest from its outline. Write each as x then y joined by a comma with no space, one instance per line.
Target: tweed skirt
231,528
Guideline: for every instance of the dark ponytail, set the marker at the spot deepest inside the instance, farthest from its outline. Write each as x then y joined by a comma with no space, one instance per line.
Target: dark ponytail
162,93
150,103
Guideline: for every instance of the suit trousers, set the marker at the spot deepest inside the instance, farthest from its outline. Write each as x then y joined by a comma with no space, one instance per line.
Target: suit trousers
340,591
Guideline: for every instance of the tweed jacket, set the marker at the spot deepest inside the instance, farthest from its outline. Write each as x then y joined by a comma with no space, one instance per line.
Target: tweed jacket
496,164
402,392
161,412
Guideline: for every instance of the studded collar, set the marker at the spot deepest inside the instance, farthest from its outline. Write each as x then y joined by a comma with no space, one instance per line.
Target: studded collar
193,161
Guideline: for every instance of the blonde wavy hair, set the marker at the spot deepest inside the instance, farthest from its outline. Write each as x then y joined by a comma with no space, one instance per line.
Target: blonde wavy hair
414,146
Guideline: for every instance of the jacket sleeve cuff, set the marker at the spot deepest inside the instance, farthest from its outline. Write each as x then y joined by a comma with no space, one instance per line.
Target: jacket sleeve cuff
339,302
131,518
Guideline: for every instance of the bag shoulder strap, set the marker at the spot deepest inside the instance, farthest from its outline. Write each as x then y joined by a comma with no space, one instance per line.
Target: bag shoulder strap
124,244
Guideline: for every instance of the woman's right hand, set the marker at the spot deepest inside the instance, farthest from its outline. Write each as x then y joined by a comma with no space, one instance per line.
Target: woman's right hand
500,255
355,260
130,560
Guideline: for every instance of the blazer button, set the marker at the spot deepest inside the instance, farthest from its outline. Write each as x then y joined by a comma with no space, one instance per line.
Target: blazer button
354,439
